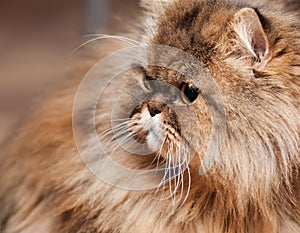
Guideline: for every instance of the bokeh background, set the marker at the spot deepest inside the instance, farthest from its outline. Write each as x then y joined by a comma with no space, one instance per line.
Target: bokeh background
37,37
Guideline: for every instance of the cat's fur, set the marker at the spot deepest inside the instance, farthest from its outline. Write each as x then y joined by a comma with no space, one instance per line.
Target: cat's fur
254,186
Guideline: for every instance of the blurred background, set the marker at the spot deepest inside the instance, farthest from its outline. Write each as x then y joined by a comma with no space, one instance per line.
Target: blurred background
37,37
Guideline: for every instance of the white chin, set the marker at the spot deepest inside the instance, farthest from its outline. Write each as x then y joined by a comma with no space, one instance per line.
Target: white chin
154,141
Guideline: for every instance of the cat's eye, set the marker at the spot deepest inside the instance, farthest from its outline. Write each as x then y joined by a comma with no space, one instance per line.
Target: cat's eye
189,93
146,84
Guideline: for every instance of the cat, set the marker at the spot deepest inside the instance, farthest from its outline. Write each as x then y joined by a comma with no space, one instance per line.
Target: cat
251,51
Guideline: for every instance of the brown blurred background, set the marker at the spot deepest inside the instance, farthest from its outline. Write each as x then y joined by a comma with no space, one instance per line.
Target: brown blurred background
36,39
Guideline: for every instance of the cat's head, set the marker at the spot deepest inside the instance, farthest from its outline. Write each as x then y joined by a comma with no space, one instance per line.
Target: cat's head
253,57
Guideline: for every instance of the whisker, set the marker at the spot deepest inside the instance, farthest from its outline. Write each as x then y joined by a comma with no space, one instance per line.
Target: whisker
177,179
178,176
123,141
163,180
117,120
177,164
116,136
103,36
176,173
113,129
179,173
170,175
189,183
157,156
181,177
120,134
98,35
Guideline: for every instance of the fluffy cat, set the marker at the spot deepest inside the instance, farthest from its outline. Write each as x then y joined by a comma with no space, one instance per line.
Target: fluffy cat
252,52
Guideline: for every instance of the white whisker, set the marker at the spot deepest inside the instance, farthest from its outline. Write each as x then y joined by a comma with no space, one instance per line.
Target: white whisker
118,120
112,36
189,179
103,36
157,157
112,129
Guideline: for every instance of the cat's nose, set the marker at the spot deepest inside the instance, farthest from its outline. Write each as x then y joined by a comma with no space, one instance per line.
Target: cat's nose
153,110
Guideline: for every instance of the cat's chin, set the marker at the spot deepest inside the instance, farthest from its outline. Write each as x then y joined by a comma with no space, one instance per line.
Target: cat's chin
154,141
156,136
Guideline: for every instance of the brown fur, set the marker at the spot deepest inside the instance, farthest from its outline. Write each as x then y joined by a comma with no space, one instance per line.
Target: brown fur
254,187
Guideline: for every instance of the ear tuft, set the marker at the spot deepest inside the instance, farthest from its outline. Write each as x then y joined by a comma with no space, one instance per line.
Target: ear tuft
249,29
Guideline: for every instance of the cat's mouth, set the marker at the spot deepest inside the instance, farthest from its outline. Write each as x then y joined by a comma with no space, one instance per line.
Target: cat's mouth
151,124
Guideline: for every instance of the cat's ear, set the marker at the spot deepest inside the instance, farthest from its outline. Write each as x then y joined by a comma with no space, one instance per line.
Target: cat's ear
249,29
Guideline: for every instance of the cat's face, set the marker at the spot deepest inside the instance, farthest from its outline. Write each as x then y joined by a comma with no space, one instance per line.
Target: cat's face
168,120
245,54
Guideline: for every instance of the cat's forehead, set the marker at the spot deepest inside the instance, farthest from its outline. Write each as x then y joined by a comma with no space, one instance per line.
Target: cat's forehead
193,26
178,75
164,74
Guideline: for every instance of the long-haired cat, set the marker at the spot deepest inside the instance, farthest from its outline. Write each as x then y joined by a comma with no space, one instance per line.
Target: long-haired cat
252,53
